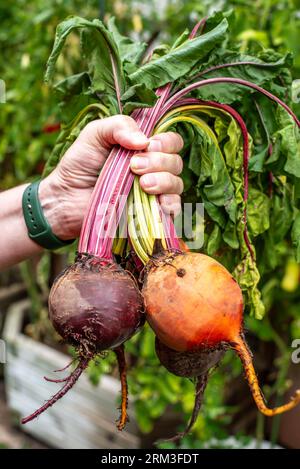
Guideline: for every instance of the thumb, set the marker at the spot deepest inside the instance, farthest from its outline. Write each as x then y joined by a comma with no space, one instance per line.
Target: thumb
122,130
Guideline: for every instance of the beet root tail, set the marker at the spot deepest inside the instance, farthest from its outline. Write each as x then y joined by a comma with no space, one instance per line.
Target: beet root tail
201,382
241,348
124,387
60,380
71,380
65,367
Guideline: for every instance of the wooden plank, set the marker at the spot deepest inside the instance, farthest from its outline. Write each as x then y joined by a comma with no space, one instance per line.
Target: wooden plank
13,324
73,433
84,394
85,418
9,294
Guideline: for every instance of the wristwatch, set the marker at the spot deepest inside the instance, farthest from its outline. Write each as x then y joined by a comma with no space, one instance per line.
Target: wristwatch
38,227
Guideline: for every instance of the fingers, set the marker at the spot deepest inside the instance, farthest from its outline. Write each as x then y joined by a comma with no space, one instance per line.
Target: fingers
161,183
171,204
154,162
168,142
124,130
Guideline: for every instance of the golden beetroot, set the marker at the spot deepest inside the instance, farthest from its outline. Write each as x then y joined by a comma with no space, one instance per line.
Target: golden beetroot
194,304
191,294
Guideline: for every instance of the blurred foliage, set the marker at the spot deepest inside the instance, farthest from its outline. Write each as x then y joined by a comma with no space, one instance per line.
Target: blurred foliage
28,121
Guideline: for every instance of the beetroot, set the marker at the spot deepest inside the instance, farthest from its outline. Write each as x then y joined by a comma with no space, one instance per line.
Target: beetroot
195,306
95,305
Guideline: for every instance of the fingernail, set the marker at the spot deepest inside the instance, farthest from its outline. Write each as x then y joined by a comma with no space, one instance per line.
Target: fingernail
167,199
139,139
149,181
139,162
154,145
173,210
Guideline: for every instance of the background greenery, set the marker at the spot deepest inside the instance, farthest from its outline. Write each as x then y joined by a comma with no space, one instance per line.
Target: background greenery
27,134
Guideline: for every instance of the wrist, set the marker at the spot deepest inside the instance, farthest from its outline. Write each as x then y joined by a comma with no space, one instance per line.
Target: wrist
50,197
62,207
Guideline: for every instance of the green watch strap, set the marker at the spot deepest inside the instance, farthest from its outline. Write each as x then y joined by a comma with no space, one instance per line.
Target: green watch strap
38,227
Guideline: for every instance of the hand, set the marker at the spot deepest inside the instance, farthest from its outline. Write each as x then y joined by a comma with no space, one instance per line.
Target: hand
66,192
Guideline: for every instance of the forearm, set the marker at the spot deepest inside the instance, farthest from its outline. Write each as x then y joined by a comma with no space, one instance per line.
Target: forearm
15,244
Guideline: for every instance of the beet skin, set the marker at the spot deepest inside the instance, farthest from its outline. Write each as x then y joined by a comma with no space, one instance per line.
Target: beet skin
95,305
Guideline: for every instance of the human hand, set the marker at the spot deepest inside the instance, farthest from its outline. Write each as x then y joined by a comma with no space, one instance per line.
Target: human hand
66,192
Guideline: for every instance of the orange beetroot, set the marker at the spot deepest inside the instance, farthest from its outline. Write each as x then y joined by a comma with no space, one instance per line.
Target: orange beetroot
194,304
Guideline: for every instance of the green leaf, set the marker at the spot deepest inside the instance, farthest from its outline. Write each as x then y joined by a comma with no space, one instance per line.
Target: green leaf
262,329
231,147
187,178
214,241
218,188
178,62
250,68
258,211
281,215
70,132
289,136
230,235
75,94
137,96
129,50
196,158
181,39
143,418
100,51
216,213
247,276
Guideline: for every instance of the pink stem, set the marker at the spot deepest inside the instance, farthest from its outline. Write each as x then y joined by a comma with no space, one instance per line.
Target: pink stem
116,80
213,81
104,175
112,189
169,231
111,205
200,25
229,65
100,188
270,184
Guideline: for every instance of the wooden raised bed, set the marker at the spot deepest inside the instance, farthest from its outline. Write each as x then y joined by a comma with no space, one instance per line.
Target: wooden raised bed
84,418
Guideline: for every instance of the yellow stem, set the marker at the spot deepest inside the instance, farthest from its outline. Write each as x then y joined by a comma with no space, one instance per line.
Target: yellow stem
241,348
147,217
119,246
132,231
